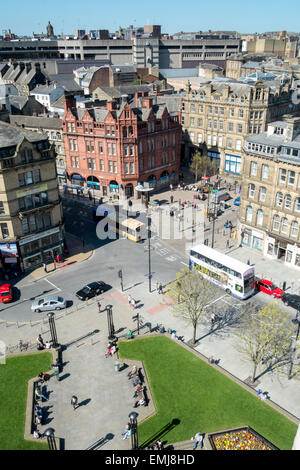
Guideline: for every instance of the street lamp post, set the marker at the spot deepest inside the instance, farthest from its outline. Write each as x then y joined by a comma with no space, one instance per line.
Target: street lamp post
146,191
134,430
49,433
110,325
52,329
213,226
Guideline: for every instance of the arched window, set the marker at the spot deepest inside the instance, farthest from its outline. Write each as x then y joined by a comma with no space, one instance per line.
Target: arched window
279,199
294,229
288,202
297,204
276,222
260,217
249,213
284,225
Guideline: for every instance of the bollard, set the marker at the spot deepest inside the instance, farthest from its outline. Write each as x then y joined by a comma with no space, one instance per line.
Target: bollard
117,366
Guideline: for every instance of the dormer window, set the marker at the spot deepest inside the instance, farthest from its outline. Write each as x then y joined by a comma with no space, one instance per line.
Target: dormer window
278,130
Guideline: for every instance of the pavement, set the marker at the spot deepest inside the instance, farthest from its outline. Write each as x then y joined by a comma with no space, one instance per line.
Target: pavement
105,395
78,251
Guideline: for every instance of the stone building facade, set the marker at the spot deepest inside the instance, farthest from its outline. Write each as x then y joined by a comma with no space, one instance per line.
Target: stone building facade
270,198
52,127
31,220
112,149
218,117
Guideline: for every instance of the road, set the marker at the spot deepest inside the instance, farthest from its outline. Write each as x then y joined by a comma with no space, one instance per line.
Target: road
109,257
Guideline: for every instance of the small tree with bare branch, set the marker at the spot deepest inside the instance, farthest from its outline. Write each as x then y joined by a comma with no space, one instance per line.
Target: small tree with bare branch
191,293
265,337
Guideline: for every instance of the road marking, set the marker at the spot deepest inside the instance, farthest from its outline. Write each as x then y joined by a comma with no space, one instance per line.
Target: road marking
216,300
171,258
183,263
59,290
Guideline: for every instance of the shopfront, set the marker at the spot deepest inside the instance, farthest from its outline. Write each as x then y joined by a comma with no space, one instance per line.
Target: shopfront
10,259
61,176
278,248
252,239
40,248
233,164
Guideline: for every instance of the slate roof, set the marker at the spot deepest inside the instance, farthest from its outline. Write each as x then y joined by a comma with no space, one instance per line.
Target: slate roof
37,122
11,135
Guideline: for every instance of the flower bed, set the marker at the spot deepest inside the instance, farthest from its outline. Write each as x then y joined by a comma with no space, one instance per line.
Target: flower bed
240,439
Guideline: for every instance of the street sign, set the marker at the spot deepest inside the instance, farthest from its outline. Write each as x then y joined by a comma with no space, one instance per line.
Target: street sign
150,276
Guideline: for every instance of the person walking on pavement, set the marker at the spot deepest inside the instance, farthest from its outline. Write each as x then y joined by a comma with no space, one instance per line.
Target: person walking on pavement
74,402
129,298
227,244
171,199
99,307
132,303
160,288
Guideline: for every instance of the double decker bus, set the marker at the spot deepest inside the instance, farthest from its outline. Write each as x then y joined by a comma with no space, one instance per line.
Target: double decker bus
235,277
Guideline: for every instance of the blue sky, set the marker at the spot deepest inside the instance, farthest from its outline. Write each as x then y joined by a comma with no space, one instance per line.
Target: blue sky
26,16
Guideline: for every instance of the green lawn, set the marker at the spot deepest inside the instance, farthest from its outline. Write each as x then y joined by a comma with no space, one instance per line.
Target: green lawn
203,400
14,376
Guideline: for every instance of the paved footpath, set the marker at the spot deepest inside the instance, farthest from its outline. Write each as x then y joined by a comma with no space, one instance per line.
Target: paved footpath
105,395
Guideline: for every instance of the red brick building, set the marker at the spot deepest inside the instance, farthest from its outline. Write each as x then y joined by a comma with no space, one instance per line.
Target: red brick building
113,150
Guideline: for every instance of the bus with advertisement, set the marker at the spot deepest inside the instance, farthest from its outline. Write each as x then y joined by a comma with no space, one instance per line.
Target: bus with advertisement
231,275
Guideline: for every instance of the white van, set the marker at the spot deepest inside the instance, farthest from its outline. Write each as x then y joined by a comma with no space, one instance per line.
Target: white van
219,196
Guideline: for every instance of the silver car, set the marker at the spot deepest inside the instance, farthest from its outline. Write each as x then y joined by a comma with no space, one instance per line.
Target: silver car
48,303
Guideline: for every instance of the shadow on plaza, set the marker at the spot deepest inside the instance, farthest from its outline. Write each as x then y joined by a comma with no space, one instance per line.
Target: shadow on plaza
159,435
77,340
101,442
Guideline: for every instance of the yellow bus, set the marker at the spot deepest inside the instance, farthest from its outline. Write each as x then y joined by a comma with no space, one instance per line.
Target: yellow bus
129,228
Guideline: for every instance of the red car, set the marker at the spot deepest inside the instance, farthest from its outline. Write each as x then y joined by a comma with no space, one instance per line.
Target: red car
5,293
269,288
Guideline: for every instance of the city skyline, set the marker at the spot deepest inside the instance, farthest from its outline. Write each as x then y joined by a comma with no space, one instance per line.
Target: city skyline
260,17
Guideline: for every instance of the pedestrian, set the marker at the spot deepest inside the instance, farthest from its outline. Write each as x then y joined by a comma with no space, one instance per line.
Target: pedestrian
160,445
198,440
133,304
248,262
171,187
99,307
213,318
39,395
172,199
227,244
129,298
74,402
160,288
127,431
40,342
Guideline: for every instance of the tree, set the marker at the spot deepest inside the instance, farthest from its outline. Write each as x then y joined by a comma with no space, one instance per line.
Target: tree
191,293
265,337
202,165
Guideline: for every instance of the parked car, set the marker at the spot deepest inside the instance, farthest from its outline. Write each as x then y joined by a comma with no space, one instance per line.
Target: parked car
292,300
219,196
269,288
92,289
6,294
48,303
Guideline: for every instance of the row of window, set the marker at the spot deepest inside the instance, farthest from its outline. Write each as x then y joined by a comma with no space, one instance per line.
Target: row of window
110,130
279,224
215,264
36,223
260,148
285,176
217,141
29,177
33,200
288,200
232,98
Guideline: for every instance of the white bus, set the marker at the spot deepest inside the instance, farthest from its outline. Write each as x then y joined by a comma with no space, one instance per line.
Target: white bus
233,276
